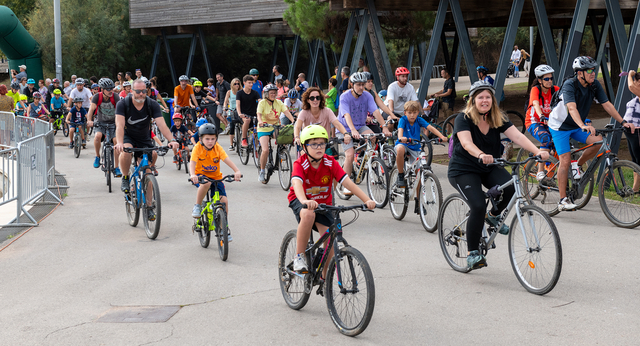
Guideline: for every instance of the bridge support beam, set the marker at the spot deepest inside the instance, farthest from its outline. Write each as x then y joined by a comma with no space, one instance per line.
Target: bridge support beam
575,38
192,55
156,56
172,68
509,40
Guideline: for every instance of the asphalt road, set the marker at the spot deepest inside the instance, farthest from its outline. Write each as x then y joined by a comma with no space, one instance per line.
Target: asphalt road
83,260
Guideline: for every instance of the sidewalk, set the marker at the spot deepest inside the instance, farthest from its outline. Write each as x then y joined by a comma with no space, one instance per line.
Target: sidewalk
463,83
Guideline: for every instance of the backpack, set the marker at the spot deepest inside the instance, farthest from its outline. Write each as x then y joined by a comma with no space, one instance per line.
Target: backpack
285,135
100,99
128,102
541,99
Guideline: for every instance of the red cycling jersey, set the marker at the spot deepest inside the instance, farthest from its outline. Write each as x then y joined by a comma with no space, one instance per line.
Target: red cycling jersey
317,183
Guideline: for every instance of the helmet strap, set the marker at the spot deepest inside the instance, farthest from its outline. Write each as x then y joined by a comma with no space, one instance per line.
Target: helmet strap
313,159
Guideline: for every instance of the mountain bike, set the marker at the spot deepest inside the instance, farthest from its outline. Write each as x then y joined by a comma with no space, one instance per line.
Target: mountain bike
427,191
213,217
349,289
107,159
618,186
77,140
59,123
535,251
144,192
283,162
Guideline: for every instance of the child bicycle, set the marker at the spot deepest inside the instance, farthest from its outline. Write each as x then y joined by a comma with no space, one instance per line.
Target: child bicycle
144,192
183,153
213,217
427,189
58,122
535,252
348,288
283,162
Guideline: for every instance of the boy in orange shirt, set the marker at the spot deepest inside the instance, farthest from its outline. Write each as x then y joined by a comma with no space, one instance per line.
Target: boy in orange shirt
205,160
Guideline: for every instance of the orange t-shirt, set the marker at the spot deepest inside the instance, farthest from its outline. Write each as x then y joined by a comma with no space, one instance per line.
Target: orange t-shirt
183,95
208,161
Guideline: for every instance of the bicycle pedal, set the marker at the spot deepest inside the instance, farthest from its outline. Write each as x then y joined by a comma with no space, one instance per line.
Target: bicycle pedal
320,291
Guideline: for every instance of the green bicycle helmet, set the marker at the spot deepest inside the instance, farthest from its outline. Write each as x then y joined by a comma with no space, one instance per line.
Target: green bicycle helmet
311,132
197,83
254,72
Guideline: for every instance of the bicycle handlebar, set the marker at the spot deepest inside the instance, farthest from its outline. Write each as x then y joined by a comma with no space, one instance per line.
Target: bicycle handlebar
498,161
163,149
339,208
202,179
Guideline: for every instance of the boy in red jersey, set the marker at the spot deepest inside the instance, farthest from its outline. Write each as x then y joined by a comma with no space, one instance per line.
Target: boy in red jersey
311,184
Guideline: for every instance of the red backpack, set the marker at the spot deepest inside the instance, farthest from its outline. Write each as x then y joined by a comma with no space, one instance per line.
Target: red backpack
100,98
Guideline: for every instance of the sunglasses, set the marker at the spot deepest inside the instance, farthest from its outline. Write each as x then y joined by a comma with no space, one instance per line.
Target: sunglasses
144,91
547,79
315,98
317,145
108,90
236,83
589,71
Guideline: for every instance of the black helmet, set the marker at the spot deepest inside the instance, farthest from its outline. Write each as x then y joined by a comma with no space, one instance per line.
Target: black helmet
207,129
15,85
106,83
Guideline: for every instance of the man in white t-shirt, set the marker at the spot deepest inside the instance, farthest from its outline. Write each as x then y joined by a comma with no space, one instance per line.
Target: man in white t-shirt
294,106
301,83
80,91
515,59
399,92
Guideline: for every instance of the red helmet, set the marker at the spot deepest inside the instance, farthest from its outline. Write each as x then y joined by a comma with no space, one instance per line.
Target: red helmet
401,70
178,116
55,80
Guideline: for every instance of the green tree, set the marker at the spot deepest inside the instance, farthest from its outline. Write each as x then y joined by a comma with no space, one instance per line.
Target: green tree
22,8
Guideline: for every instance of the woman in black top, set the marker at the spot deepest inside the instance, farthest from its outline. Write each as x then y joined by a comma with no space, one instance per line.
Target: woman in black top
477,138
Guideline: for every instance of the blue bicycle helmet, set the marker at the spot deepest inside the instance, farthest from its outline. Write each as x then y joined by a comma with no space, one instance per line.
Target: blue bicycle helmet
31,81
201,122
382,93
293,94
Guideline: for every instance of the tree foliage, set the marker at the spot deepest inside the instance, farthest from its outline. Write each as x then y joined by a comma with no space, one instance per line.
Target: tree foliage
22,8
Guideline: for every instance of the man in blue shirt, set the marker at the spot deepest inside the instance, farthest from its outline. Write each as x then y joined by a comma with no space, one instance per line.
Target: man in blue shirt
257,85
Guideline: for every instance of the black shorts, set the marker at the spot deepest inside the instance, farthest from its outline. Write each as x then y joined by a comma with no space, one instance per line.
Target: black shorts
139,143
321,218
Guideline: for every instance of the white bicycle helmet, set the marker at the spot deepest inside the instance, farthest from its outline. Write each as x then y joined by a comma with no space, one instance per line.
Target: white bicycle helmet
270,87
584,63
479,86
183,77
358,77
542,70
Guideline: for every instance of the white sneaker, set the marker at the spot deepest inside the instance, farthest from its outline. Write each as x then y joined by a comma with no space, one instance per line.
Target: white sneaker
299,264
541,175
346,192
566,205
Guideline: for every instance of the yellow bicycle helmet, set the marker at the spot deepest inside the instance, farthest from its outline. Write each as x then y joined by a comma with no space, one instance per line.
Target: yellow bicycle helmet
311,132
57,92
197,83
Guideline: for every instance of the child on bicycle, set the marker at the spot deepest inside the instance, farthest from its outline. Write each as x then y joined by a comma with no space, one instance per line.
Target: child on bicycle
180,132
205,160
268,110
311,184
195,138
57,101
294,105
409,128
76,118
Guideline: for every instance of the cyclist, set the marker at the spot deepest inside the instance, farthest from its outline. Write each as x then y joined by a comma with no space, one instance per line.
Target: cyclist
95,88
368,86
30,89
126,89
15,94
246,105
22,105
293,105
180,133
632,115
516,54
76,119
566,120
411,127
301,83
154,94
133,128
257,84
103,106
183,95
230,103
268,112
315,111
195,138
311,184
483,74
205,160
539,108
398,93
448,93
37,108
476,137
80,92
355,103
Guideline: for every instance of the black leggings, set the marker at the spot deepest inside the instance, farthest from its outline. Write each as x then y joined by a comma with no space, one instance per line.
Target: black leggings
633,142
470,186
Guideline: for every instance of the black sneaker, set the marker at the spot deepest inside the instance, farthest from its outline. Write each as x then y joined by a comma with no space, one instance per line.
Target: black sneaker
402,183
125,185
151,214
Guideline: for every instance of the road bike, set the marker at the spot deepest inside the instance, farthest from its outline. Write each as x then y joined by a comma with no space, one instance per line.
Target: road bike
59,122
282,163
427,190
107,159
349,289
144,192
535,251
618,186
213,217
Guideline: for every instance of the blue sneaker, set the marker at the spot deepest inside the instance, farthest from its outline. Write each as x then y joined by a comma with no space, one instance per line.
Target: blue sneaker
475,260
117,173
96,162
494,221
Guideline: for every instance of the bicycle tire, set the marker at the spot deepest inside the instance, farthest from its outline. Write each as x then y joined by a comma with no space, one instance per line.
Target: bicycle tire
222,232
630,200
353,263
430,200
398,203
452,232
185,158
377,179
152,227
545,195
285,168
257,151
516,119
131,205
65,129
244,154
179,161
205,233
77,145
338,191
389,156
527,263
292,286
429,151
89,130
522,155
448,125
108,166
238,138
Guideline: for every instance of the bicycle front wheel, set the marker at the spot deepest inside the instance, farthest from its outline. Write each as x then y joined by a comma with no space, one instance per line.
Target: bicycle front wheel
535,251
222,233
244,154
238,138
618,193
185,158
151,207
108,165
377,182
517,120
388,156
131,205
447,125
65,129
284,168
257,151
77,146
430,199
452,231
397,196
205,233
350,298
291,284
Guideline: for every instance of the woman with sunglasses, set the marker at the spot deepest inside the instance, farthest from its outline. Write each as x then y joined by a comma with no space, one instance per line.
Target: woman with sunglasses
539,108
315,112
282,89
232,116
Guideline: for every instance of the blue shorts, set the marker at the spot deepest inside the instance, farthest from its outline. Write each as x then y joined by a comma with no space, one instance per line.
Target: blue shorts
74,125
561,139
262,134
542,134
221,190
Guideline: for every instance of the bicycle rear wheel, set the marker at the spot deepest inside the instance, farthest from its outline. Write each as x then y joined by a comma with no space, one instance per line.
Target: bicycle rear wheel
205,233
430,199
452,232
618,199
238,138
338,190
377,179
65,129
77,145
292,285
151,224
447,125
222,233
517,119
535,251
185,158
108,165
545,194
131,205
350,306
257,151
398,203
284,168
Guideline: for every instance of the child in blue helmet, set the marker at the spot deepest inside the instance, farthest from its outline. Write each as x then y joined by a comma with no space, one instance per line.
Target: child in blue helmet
294,105
195,138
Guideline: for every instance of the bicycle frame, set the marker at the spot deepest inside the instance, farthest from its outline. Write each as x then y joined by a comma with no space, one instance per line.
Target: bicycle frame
215,202
138,176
